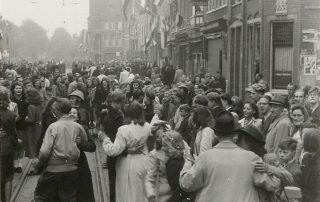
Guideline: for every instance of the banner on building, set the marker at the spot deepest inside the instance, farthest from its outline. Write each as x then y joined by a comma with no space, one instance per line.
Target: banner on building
309,63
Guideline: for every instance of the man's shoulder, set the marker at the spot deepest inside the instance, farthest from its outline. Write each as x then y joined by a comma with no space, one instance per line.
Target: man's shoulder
66,123
219,153
285,121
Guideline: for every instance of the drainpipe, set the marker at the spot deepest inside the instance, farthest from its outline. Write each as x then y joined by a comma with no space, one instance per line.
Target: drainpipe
244,47
228,53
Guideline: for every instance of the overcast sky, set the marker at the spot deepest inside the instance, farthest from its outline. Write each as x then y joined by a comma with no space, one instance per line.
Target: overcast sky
50,14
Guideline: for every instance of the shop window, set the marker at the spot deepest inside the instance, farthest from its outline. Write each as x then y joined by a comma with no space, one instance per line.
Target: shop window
282,43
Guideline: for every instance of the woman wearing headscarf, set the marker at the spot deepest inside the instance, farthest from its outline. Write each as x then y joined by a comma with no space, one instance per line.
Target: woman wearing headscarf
156,183
8,142
174,147
300,119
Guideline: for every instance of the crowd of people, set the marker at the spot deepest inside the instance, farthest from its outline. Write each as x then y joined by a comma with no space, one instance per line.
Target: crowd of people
167,137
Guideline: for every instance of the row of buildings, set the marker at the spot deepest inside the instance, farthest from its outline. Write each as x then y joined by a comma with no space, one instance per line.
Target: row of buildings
279,39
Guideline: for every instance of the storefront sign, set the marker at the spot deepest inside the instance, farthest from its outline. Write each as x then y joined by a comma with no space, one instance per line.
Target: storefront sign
309,64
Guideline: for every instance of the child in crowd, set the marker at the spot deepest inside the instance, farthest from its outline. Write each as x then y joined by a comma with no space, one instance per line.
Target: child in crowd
287,153
184,128
283,166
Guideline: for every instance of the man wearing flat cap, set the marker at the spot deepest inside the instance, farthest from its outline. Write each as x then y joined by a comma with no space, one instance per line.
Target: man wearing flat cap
226,172
280,127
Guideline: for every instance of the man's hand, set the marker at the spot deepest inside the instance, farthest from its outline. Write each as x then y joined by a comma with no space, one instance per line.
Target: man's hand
261,167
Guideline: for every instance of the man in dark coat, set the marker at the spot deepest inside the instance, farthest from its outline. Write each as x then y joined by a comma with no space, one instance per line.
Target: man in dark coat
111,119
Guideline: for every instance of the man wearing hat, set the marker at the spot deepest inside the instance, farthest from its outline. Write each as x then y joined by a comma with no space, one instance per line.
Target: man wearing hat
280,127
226,172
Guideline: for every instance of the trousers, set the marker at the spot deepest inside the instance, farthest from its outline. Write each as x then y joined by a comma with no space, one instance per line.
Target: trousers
54,187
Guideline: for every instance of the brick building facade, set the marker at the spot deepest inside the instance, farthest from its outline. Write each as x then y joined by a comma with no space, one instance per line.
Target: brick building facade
277,38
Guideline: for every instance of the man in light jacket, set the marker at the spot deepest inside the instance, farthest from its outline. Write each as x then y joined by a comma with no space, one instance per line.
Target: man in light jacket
281,126
59,154
226,172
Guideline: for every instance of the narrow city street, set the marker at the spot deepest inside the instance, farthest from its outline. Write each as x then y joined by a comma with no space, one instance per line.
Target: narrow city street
159,100
24,185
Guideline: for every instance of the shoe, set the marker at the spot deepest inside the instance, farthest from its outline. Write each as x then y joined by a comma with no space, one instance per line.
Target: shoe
18,170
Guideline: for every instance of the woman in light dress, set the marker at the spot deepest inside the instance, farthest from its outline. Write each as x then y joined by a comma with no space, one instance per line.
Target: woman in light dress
132,164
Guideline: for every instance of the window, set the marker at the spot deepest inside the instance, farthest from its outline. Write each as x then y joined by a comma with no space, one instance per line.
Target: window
119,25
197,15
106,25
112,26
282,42
216,4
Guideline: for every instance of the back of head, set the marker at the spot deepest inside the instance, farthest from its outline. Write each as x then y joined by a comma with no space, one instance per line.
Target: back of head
173,142
4,98
201,100
311,141
201,116
62,106
135,112
33,96
118,97
226,97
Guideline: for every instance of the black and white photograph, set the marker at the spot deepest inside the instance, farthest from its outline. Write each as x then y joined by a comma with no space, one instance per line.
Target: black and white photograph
159,100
